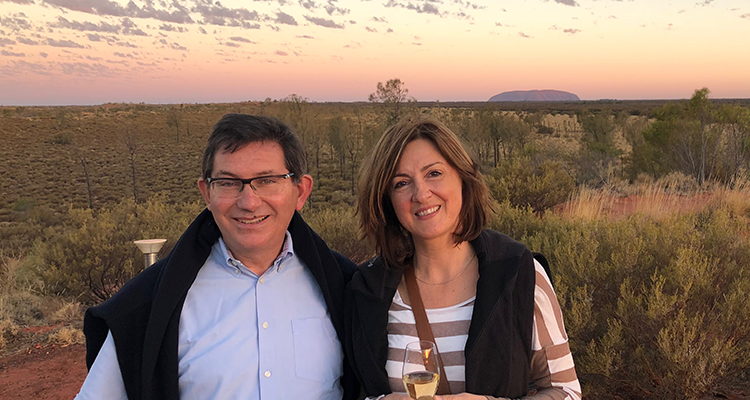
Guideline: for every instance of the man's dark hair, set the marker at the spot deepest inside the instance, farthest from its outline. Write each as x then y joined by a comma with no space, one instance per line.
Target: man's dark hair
234,131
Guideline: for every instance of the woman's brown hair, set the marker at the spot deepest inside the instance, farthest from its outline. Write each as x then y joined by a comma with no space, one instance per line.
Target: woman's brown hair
378,221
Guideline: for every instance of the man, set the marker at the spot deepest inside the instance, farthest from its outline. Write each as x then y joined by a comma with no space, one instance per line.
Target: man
248,305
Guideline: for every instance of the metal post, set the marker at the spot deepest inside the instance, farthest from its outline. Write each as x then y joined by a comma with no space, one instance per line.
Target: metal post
150,249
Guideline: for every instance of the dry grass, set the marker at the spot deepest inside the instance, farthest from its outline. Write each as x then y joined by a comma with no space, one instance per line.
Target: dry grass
656,200
66,335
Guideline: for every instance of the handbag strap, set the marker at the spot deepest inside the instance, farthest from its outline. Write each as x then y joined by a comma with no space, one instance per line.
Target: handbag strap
423,324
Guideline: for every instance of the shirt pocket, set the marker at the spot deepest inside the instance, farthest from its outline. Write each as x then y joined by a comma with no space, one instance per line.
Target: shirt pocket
317,352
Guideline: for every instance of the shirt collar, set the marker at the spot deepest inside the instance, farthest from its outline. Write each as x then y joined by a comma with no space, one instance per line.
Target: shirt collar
228,260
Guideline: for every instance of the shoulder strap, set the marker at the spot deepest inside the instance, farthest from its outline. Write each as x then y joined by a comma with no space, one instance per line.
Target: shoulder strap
423,324
545,264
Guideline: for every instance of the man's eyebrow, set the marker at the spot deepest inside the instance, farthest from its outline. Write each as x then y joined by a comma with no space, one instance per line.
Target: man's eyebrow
256,175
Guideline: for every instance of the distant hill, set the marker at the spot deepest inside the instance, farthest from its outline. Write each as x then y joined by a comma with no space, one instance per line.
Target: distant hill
535,95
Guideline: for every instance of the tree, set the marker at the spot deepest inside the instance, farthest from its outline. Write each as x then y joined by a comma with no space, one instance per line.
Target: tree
685,137
174,119
393,94
131,143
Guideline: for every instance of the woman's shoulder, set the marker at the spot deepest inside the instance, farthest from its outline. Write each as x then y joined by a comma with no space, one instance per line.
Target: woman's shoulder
496,246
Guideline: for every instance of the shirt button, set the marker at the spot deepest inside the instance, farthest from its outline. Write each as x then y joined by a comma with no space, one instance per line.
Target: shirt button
260,280
267,374
236,271
265,325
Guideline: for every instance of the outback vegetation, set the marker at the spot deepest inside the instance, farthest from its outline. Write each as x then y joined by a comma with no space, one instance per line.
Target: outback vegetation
643,209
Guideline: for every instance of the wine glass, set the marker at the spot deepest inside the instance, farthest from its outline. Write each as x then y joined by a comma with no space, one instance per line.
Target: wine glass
421,371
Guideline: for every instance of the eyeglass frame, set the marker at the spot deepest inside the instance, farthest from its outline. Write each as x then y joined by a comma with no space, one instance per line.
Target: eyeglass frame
244,182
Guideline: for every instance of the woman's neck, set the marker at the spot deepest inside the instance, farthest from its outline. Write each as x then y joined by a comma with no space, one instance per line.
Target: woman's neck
441,262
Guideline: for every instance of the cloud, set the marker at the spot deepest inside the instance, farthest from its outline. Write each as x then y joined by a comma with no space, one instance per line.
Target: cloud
305,37
283,18
84,69
308,4
176,46
281,53
747,16
172,28
571,3
231,44
178,14
389,30
15,67
15,22
572,31
12,54
425,8
332,9
373,30
5,41
376,19
43,54
523,35
94,37
326,23
217,14
241,39
201,30
84,26
64,43
19,1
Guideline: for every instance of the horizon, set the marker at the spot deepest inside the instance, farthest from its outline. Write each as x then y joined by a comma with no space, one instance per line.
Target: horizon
92,52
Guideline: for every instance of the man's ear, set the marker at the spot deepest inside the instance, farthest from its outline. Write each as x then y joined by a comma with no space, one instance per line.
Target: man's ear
203,187
304,188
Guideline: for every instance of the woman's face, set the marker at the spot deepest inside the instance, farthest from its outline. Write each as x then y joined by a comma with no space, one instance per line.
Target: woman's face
426,193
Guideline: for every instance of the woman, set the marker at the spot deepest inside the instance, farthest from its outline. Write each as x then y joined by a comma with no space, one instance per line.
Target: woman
490,304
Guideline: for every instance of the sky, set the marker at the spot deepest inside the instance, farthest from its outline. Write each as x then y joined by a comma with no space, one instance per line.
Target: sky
69,52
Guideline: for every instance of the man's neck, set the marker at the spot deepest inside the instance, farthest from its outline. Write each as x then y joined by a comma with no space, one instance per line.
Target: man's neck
260,260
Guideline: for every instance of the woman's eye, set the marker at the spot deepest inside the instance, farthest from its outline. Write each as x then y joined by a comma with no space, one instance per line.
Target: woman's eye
399,185
434,174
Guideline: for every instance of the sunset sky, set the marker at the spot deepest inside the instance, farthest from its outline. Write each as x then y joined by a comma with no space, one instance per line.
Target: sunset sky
56,52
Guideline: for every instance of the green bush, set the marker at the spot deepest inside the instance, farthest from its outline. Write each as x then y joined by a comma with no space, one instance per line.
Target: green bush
338,227
523,184
653,309
94,254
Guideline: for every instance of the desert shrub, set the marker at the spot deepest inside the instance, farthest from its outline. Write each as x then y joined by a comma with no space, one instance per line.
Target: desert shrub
655,309
66,335
522,183
8,329
338,227
94,255
62,138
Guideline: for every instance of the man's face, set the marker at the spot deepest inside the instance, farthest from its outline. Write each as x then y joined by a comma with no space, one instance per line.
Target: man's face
254,226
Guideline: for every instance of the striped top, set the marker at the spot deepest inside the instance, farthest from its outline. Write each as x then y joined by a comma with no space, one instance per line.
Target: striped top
552,371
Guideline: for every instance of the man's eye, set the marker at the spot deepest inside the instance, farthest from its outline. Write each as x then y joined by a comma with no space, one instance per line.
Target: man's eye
265,181
225,184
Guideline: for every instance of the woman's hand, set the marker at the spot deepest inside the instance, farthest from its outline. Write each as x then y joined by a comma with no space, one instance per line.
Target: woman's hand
392,396
397,396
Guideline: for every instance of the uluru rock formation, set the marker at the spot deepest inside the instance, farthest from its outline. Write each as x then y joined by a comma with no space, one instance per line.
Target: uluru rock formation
535,95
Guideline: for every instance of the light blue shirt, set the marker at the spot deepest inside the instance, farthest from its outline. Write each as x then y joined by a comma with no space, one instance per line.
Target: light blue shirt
242,336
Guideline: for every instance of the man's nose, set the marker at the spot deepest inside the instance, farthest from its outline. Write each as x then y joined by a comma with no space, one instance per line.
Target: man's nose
248,199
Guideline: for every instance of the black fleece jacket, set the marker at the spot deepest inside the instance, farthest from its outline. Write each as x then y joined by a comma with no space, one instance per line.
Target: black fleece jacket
498,350
144,315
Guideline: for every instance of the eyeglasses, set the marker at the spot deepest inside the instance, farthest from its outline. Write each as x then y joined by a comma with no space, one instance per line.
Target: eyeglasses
231,188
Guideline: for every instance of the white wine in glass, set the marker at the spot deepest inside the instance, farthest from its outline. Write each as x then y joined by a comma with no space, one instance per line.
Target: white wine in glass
421,372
